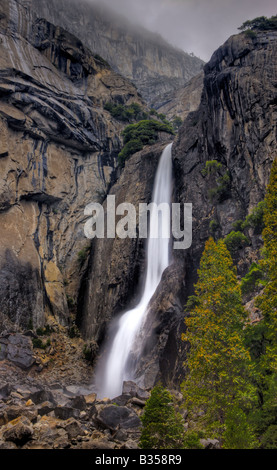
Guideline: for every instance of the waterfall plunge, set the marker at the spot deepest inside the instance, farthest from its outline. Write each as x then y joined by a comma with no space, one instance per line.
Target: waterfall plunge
118,365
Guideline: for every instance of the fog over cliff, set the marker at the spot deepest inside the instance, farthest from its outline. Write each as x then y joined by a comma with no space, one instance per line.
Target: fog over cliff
197,26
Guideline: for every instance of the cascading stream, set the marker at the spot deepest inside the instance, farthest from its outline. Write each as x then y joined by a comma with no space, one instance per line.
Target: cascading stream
117,369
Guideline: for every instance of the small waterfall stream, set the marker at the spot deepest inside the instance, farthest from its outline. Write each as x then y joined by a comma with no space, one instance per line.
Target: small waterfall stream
118,365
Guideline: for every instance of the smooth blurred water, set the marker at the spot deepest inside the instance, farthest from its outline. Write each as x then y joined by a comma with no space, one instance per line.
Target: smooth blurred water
118,365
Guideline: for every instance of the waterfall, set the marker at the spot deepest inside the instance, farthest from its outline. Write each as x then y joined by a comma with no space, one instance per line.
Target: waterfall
118,365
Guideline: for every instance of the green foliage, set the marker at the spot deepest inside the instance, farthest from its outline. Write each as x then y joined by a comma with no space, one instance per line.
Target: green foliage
214,226
177,122
268,300
129,149
250,33
235,241
219,364
142,133
262,338
162,426
255,340
256,218
223,189
70,302
269,438
238,225
264,416
44,331
83,255
261,23
192,302
192,440
39,344
145,130
212,166
73,332
87,352
249,282
238,433
131,113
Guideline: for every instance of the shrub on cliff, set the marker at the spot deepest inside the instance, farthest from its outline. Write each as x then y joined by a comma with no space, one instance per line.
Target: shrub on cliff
255,219
131,113
261,23
235,241
137,135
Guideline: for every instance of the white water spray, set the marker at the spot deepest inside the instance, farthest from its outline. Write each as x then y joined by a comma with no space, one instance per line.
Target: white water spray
110,377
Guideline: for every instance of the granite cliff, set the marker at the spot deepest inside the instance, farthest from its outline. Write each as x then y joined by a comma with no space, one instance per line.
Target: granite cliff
153,65
234,125
58,153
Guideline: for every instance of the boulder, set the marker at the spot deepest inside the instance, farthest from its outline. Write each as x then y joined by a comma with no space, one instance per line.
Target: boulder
42,395
210,443
17,349
45,408
115,417
101,444
90,399
73,428
66,412
78,403
49,434
132,389
18,431
14,412
5,390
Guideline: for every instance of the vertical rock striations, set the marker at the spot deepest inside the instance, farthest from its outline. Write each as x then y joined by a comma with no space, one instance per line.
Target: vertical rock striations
235,125
58,151
146,59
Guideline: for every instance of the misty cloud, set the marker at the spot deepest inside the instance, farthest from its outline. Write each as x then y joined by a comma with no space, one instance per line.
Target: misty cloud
198,26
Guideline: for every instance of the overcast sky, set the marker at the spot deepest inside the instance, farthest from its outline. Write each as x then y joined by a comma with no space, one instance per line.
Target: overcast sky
198,26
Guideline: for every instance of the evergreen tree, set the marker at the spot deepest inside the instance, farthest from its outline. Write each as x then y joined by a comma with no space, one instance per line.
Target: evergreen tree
262,338
268,300
218,362
162,426
238,433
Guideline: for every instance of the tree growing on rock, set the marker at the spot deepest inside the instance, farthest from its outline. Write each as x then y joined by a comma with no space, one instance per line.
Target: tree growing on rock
261,23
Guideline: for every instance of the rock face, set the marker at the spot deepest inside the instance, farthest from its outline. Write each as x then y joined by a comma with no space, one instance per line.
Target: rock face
153,65
58,152
116,265
235,124
182,101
